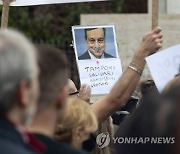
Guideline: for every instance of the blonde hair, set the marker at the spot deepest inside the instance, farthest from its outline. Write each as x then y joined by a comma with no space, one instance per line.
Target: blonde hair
78,114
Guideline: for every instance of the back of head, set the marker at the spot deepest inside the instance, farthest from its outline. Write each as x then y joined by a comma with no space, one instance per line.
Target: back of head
79,114
53,73
172,90
171,93
17,63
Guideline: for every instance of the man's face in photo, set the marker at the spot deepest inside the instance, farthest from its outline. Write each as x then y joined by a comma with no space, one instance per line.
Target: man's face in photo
96,42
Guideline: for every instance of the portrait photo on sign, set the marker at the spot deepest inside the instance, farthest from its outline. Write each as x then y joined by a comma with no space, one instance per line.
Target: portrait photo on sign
94,42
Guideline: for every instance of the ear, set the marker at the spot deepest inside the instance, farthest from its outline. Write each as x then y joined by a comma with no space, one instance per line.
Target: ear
77,137
62,96
22,95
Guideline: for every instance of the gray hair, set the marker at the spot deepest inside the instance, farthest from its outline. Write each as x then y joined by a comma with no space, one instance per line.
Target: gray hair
17,63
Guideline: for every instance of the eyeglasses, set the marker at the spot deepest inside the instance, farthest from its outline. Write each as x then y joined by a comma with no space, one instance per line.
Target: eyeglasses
74,93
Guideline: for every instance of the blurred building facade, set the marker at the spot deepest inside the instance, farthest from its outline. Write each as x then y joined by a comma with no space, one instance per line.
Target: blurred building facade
166,6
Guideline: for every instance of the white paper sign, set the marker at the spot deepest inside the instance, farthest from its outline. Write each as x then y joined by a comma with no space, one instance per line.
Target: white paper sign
164,66
97,57
43,2
100,74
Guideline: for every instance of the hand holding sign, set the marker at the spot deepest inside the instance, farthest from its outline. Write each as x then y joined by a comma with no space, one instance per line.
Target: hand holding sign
151,42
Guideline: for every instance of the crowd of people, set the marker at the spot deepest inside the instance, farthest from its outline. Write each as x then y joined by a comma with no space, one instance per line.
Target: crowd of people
42,112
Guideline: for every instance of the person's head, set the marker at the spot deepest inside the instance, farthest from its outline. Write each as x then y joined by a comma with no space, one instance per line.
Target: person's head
95,40
79,122
19,87
171,93
53,79
172,89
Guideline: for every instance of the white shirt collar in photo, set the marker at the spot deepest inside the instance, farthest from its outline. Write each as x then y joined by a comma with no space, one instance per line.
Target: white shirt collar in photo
93,57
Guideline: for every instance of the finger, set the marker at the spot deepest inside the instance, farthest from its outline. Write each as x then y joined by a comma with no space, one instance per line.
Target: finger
83,87
88,89
159,45
72,44
157,36
160,41
157,30
160,35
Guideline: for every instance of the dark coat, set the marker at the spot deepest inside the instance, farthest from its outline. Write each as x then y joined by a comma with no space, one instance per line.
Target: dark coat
11,141
56,147
87,56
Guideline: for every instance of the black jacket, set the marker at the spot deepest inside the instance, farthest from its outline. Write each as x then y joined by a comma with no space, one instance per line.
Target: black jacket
11,141
56,147
87,56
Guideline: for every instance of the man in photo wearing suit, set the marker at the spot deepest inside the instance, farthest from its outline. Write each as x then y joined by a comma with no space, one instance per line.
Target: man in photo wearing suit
95,40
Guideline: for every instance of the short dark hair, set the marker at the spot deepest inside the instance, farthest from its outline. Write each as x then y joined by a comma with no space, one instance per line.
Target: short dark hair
53,72
89,29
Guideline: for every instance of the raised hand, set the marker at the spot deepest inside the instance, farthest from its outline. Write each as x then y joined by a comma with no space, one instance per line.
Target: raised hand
85,92
151,42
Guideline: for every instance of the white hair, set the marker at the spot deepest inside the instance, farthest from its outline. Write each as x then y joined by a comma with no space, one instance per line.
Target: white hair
17,62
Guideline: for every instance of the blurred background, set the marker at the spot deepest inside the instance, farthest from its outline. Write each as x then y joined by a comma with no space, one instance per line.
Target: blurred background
51,24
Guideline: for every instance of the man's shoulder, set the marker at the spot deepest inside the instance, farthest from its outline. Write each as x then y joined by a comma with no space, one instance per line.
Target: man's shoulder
54,146
84,56
8,147
11,140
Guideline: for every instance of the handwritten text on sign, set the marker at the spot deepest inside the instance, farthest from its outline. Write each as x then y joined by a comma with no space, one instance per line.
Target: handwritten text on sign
164,66
42,2
100,74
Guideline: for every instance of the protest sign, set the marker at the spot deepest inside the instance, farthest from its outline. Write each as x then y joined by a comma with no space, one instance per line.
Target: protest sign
164,66
43,2
7,3
97,57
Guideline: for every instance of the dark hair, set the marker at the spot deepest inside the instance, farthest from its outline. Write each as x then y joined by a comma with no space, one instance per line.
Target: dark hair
53,72
89,29
172,89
